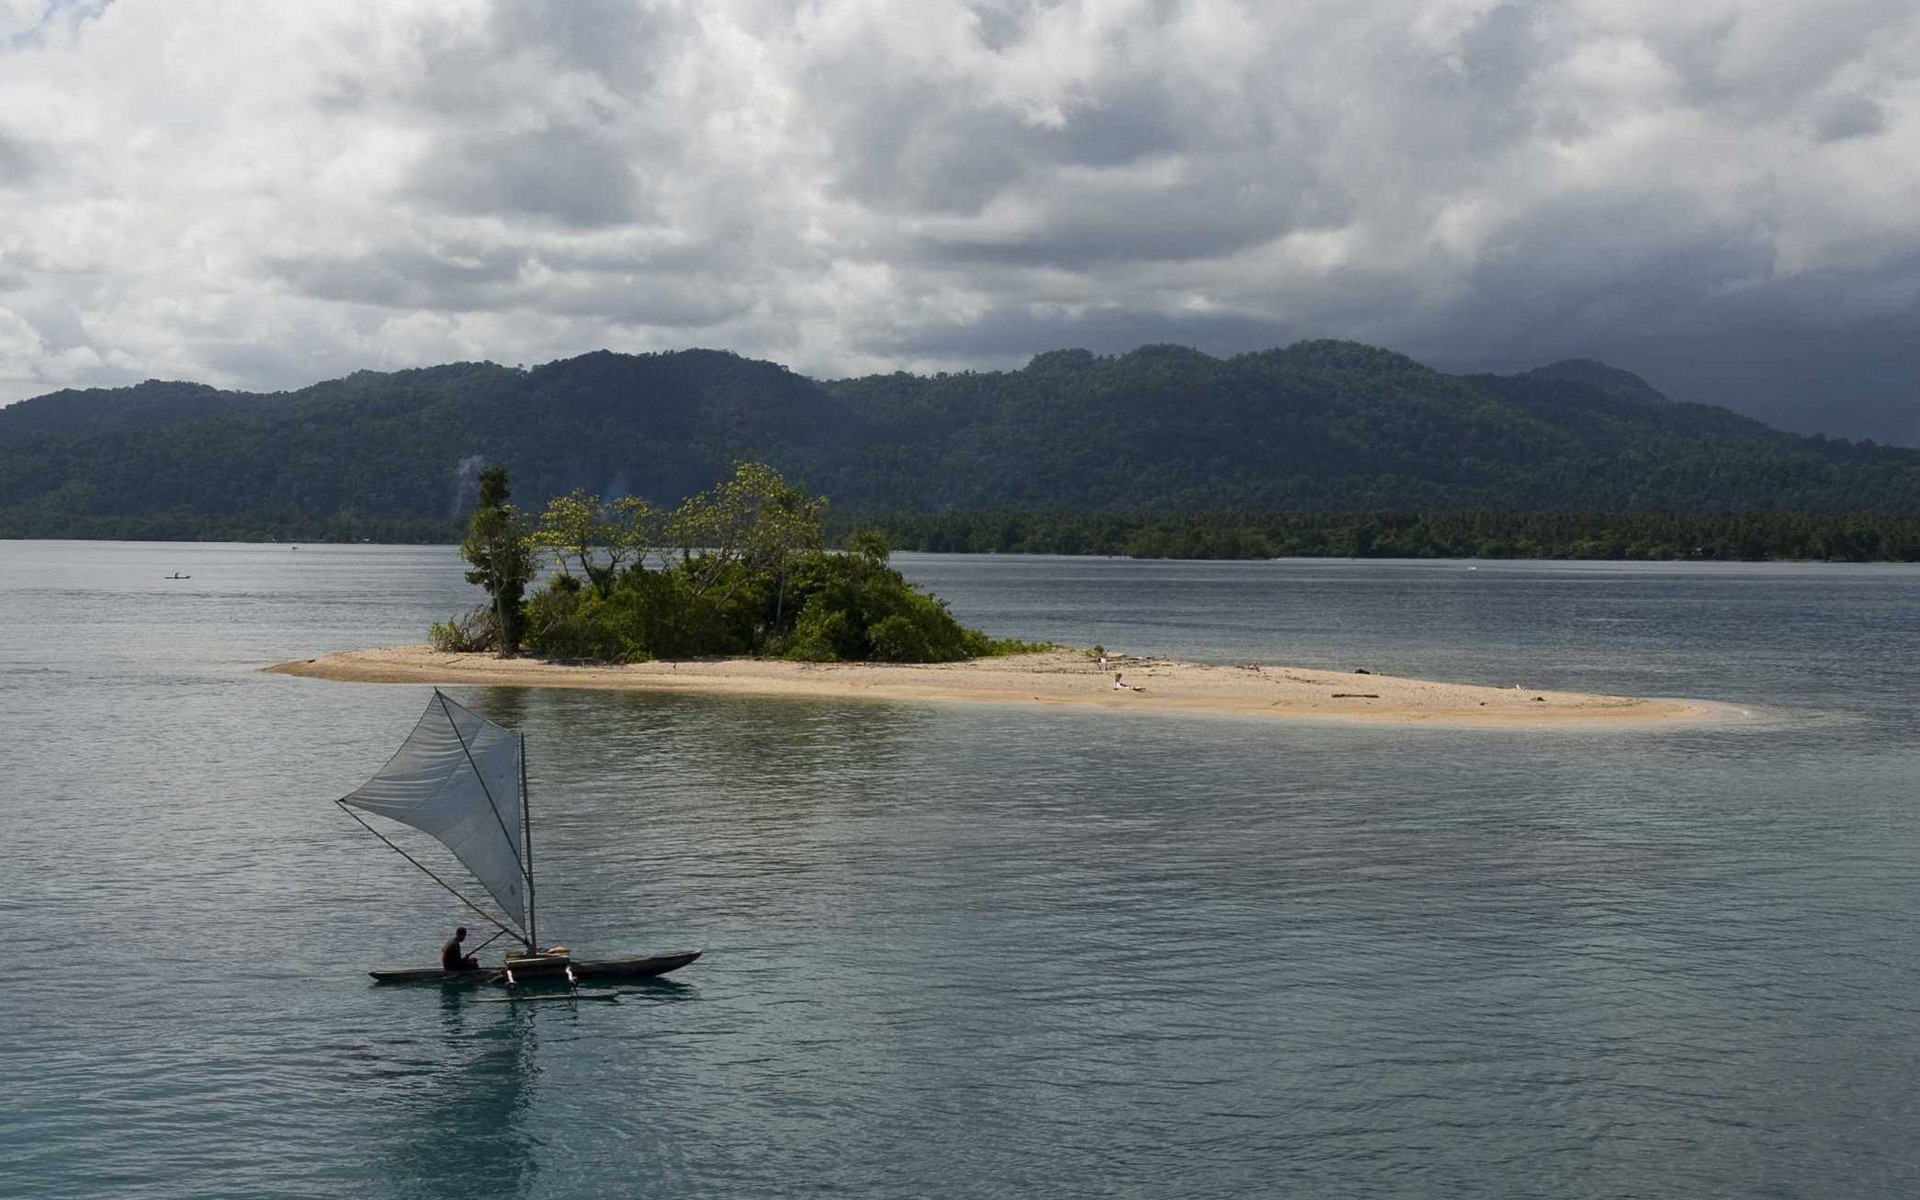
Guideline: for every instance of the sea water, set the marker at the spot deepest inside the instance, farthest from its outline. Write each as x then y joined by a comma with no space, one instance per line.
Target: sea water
958,950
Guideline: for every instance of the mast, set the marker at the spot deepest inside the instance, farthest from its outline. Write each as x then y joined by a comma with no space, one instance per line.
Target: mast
526,840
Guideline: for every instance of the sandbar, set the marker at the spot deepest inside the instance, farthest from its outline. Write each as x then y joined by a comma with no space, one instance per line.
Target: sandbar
1066,678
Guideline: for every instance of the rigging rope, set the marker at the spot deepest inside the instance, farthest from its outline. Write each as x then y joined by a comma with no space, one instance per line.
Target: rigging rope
486,916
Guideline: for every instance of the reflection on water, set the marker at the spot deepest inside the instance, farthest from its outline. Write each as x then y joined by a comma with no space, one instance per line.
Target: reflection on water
768,739
464,1130
506,707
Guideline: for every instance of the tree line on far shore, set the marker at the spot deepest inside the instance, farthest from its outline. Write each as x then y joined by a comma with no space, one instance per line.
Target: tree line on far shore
1748,536
740,569
1467,533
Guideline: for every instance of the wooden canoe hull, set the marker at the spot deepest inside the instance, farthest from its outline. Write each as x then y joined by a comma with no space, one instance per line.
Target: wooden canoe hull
605,971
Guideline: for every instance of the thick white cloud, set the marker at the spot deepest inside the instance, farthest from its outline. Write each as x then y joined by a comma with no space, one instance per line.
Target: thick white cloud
1719,193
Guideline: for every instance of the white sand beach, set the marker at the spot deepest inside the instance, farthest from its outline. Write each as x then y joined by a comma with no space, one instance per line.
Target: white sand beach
1060,677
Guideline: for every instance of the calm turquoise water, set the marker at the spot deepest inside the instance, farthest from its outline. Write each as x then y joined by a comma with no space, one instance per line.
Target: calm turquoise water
979,951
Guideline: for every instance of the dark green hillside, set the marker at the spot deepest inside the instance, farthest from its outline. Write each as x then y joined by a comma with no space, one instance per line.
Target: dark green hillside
403,446
1164,430
151,405
1323,425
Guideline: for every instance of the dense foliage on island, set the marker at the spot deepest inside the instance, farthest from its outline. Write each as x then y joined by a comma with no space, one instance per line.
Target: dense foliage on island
1321,447
739,569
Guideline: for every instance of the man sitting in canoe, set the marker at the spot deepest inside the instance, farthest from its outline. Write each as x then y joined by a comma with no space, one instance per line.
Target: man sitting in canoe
450,957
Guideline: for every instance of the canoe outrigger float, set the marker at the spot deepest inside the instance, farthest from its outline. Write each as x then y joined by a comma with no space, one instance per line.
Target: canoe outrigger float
462,780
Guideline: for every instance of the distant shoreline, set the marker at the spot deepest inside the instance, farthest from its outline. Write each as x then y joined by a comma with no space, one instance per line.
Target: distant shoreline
1061,678
1199,535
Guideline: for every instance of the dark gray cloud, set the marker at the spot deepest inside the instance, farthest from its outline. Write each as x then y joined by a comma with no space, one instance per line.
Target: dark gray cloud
1716,194
405,277
1010,335
1829,351
1848,116
623,44
577,177
20,160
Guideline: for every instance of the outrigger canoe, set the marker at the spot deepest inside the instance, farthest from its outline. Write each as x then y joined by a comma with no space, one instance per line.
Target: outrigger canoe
614,971
462,780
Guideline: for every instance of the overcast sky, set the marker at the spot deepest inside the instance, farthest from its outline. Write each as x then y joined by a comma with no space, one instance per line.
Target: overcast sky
1723,195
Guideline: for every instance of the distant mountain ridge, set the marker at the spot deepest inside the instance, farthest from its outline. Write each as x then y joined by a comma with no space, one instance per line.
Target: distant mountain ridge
1316,425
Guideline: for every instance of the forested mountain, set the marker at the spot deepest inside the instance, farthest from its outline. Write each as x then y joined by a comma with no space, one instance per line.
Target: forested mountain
1315,426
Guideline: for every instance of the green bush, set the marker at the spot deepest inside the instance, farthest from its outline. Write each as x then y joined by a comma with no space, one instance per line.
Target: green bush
822,634
896,638
570,622
477,631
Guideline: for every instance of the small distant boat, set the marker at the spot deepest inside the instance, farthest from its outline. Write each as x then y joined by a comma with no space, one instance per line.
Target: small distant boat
177,575
462,780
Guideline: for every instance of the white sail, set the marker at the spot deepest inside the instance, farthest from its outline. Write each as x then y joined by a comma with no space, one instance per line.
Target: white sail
457,777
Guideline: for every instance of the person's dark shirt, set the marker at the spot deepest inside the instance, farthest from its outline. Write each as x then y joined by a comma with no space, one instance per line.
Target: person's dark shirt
450,957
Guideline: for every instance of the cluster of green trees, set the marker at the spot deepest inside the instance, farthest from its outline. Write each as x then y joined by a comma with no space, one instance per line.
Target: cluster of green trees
1471,533
741,568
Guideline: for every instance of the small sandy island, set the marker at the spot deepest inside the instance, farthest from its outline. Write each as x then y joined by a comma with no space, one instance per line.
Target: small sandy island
1061,677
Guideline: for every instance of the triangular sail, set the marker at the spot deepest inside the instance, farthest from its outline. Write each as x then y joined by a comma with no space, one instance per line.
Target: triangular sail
457,777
